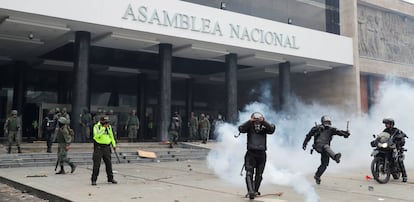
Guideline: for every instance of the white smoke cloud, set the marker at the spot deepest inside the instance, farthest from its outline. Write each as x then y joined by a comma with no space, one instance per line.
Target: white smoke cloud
287,164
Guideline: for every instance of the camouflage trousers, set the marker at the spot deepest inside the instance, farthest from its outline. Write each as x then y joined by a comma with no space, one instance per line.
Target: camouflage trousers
86,133
193,133
132,132
62,154
14,136
204,132
173,136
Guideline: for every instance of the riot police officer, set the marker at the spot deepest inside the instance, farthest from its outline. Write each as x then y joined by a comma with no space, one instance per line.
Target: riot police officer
49,127
398,137
322,135
255,158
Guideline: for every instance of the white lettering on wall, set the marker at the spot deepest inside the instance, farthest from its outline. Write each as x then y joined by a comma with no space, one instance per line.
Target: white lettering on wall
204,25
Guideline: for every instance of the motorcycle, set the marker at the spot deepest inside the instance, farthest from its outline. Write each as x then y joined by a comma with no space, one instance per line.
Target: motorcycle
386,158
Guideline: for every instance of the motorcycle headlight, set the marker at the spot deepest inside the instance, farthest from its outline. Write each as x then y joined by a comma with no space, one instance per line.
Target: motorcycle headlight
383,145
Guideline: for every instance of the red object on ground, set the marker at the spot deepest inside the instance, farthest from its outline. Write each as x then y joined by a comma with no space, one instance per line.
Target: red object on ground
368,177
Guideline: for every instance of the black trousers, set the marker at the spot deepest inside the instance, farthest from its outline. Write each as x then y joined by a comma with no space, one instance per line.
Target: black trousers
100,152
254,162
324,163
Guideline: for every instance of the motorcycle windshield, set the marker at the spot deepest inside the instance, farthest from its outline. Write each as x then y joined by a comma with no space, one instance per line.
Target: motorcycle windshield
383,137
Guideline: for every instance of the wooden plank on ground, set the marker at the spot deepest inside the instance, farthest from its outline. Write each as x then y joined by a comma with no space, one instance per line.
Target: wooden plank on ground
147,154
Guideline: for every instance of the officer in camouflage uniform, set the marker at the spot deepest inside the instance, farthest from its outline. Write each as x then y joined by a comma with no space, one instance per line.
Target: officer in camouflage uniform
13,130
132,126
64,139
193,127
86,123
174,129
113,121
204,125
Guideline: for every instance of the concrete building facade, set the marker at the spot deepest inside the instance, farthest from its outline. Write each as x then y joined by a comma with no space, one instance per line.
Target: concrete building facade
164,56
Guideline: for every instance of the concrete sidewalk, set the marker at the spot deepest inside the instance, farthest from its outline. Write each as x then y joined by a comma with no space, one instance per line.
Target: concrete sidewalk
190,181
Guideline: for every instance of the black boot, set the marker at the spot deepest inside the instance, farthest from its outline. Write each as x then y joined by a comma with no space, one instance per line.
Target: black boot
317,179
112,181
338,157
19,150
257,182
9,150
62,171
249,183
72,167
332,154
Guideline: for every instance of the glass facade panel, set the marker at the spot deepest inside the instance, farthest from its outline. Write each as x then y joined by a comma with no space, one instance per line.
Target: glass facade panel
322,15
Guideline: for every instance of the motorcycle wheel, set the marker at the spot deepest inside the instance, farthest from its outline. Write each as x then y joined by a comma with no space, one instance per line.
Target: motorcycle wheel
379,170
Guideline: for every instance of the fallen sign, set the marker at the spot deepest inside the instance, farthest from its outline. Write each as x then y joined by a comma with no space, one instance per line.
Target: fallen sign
147,154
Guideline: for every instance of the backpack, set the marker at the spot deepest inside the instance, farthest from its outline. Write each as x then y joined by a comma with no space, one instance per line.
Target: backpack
50,125
71,132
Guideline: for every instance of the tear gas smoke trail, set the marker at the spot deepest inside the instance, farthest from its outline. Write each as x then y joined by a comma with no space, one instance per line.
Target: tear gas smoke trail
394,100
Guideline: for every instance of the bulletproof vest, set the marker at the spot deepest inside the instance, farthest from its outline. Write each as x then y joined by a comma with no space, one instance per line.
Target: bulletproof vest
50,124
256,141
324,137
12,124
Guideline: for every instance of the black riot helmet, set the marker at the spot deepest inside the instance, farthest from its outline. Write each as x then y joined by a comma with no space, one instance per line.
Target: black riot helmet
326,121
388,121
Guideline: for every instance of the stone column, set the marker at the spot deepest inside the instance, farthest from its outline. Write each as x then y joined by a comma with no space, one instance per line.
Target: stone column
19,91
189,103
165,61
284,86
141,105
80,90
231,87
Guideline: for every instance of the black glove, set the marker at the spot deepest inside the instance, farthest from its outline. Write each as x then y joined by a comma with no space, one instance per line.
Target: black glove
304,146
347,134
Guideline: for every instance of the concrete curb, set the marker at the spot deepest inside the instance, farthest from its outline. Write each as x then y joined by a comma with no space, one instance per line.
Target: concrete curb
33,191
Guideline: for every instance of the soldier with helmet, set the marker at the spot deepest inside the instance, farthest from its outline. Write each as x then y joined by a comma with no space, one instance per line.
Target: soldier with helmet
204,125
13,131
398,137
174,129
322,135
257,130
132,126
86,123
64,139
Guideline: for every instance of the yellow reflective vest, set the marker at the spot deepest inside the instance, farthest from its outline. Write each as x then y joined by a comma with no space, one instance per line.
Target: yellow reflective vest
103,135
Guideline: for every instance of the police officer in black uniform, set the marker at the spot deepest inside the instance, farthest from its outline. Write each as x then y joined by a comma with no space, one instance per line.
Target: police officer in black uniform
49,127
255,159
398,137
323,134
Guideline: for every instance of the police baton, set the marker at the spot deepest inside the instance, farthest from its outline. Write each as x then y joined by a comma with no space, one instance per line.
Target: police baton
117,157
236,136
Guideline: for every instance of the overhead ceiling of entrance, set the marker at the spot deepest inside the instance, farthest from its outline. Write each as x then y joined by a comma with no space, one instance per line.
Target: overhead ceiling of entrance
40,40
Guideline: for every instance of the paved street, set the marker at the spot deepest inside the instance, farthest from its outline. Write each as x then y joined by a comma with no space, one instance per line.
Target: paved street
182,181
